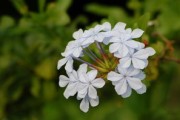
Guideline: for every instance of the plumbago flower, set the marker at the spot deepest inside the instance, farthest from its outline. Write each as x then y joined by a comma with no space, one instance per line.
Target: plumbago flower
123,65
127,79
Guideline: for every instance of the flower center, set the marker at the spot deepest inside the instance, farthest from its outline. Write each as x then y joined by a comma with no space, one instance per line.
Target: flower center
106,64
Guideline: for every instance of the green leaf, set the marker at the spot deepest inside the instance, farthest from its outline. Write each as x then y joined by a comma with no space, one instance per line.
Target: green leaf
142,22
21,6
57,13
46,69
114,14
49,90
35,87
41,5
6,22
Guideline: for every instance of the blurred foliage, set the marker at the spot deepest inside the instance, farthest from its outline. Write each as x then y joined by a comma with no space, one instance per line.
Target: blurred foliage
31,46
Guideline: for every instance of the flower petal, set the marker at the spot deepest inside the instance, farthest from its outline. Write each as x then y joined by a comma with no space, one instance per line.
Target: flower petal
132,43
99,37
83,78
106,26
92,74
69,65
82,69
115,39
82,90
125,62
94,102
61,62
114,47
141,54
113,76
77,52
121,70
70,90
128,31
131,71
63,81
139,64
97,28
127,93
142,90
73,76
84,105
78,34
136,33
98,83
150,50
88,41
92,93
140,76
134,83
140,46
106,40
123,50
121,87
120,26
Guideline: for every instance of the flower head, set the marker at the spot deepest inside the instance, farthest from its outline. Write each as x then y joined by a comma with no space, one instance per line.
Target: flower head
123,64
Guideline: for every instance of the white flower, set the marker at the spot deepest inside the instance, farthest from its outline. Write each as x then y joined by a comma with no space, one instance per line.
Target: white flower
98,33
126,80
75,47
87,88
88,83
122,39
84,83
138,59
72,83
108,33
68,61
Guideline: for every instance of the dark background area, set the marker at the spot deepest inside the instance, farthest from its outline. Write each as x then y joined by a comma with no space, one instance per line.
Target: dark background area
77,7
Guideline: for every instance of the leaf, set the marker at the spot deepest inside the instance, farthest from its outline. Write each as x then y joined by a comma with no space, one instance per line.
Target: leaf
114,14
159,47
57,13
41,5
20,6
35,87
142,22
5,61
49,90
46,69
6,22
134,4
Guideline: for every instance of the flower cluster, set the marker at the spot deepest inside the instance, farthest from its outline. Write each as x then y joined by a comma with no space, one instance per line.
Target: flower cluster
122,63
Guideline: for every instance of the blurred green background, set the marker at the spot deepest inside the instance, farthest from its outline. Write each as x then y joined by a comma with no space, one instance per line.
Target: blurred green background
33,33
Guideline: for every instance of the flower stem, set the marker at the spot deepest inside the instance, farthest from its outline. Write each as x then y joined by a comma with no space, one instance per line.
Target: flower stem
100,62
89,55
172,59
100,48
102,53
89,64
80,60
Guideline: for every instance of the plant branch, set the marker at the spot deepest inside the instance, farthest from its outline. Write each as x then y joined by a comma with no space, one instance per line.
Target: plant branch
172,59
